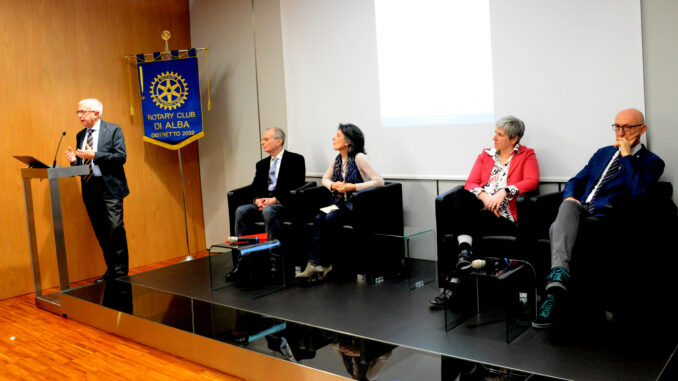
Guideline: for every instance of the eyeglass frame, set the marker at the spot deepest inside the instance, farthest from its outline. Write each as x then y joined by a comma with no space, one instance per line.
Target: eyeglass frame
84,111
616,127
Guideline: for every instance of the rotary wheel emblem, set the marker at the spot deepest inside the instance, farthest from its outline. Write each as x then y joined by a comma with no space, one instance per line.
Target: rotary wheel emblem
169,90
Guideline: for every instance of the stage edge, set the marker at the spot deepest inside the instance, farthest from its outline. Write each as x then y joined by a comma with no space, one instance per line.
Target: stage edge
217,355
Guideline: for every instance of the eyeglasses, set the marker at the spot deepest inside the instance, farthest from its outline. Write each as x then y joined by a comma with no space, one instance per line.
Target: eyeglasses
616,127
83,112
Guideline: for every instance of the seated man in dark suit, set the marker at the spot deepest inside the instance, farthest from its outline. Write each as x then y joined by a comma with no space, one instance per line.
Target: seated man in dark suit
276,175
614,173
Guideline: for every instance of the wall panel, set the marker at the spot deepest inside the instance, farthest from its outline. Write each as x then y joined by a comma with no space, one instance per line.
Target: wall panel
56,53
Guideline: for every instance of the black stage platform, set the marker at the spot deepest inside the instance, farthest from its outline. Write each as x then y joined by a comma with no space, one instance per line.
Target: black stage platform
382,319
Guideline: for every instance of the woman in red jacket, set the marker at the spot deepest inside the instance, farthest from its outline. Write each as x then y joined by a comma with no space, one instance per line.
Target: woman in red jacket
487,204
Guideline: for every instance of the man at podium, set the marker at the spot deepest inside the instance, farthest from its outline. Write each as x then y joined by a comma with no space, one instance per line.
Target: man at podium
101,146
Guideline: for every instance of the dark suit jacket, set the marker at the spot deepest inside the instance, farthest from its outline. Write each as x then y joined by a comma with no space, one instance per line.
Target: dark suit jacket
637,173
292,175
110,156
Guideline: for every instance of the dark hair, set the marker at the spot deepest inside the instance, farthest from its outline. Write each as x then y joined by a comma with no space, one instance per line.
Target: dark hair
354,137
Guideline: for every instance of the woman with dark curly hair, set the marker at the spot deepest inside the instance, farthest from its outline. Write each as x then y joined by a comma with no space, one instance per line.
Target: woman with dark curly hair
349,172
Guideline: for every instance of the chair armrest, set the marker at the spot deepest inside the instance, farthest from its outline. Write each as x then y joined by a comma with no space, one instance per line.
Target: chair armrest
653,205
242,193
536,213
235,198
299,198
441,197
307,200
443,207
548,199
379,210
307,185
443,212
527,195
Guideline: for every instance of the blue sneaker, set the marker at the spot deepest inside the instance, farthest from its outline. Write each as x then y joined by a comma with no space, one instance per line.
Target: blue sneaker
547,314
559,277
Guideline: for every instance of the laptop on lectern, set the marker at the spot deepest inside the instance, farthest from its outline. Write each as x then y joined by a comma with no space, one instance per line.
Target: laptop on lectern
31,161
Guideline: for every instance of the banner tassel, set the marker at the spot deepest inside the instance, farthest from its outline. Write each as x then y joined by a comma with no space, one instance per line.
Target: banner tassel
207,69
129,82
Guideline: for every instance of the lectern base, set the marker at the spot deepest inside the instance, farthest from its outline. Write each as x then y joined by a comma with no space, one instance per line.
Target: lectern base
50,302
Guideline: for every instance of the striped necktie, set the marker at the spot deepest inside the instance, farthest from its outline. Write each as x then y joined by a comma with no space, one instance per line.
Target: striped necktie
90,144
614,167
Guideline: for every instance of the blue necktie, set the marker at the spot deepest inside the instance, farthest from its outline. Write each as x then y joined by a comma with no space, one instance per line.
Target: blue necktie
271,175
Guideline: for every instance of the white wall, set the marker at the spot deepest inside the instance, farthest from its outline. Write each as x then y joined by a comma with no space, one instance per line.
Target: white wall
660,51
553,62
247,89
231,146
270,70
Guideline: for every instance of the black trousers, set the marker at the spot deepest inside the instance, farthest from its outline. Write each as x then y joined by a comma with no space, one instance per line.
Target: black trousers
105,213
468,216
327,240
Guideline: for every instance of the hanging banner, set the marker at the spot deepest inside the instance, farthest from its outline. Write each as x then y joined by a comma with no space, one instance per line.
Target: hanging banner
170,101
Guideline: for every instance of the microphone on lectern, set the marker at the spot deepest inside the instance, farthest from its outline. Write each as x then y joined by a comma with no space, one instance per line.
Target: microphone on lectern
57,150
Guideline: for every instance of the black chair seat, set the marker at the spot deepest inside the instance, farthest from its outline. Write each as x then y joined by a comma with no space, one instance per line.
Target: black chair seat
498,246
616,249
375,210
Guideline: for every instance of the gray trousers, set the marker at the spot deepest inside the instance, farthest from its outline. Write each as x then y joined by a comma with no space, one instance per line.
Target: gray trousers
247,215
563,233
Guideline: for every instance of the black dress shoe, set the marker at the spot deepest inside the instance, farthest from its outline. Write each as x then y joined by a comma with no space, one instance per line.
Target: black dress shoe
446,299
117,274
233,274
103,278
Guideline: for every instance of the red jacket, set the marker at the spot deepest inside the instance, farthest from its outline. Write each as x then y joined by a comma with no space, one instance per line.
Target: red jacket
523,173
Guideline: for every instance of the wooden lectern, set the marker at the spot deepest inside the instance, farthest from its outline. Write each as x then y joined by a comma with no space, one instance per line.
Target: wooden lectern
36,170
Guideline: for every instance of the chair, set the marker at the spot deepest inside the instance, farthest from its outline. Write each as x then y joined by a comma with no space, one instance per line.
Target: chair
245,195
447,241
613,261
376,210
491,286
290,227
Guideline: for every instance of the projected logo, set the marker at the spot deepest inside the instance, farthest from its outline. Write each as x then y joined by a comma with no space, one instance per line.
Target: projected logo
169,90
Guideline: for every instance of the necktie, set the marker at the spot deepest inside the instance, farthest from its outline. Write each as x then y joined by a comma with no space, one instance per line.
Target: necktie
272,180
614,167
90,144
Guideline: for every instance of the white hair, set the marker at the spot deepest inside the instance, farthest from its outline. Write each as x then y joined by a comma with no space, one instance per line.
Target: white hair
93,105
513,127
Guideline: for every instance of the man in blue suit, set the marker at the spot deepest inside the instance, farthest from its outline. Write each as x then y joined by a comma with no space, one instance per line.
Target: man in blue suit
614,173
101,146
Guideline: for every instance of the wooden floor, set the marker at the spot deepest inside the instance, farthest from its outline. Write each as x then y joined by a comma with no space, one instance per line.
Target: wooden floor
38,345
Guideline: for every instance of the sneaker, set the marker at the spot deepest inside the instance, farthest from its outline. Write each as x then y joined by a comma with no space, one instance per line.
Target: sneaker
312,270
464,259
446,299
547,313
559,277
326,269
